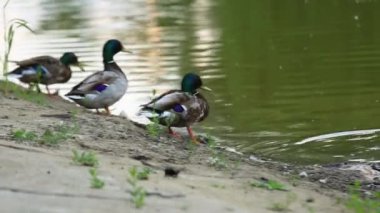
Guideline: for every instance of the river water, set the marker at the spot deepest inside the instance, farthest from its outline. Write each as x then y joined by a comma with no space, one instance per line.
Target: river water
296,81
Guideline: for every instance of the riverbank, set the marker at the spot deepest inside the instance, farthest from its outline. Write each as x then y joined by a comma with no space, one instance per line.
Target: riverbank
40,172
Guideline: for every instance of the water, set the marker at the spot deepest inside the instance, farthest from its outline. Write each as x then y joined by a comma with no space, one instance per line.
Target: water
295,81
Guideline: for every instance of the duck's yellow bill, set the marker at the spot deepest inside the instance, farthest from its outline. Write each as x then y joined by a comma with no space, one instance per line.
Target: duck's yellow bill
206,88
127,51
81,66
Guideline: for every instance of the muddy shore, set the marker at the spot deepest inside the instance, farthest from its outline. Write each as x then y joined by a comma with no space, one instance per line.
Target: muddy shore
41,177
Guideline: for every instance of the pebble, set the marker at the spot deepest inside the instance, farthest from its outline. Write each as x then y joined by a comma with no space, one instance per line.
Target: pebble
171,172
376,166
303,174
323,180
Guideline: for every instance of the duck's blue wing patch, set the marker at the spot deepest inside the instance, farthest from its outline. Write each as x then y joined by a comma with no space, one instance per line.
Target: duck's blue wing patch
100,87
35,69
178,108
40,68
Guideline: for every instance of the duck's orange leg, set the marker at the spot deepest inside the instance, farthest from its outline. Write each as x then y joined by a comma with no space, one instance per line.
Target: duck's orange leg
191,134
107,110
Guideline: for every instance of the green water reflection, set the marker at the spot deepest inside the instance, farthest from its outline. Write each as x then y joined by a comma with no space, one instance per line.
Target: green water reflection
296,69
281,71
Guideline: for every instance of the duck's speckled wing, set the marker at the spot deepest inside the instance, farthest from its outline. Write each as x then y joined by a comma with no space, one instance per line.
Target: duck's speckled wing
41,60
98,78
50,68
167,100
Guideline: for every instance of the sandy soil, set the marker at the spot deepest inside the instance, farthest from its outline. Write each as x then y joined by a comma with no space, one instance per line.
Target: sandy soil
42,178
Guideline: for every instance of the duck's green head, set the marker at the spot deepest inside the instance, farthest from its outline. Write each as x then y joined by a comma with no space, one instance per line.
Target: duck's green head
69,58
110,48
191,82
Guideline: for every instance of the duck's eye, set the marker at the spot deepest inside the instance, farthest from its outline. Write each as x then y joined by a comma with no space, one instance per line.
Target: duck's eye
100,87
178,108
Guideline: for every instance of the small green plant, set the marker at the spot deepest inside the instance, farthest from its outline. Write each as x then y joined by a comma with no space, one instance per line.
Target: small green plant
154,128
74,114
219,186
85,158
284,206
139,174
279,207
52,136
269,184
58,134
96,183
362,205
138,196
309,208
23,135
217,159
211,142
138,193
9,32
294,180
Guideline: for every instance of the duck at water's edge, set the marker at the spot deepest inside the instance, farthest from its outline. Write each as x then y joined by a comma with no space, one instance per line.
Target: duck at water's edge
180,108
45,70
103,88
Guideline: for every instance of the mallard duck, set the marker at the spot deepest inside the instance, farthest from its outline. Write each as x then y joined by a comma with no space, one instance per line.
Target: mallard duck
45,70
103,88
179,108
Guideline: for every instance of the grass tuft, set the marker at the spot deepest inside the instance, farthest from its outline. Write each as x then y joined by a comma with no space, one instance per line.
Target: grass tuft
24,135
283,206
138,196
362,205
9,88
85,158
270,185
154,128
9,31
218,158
57,134
138,193
96,183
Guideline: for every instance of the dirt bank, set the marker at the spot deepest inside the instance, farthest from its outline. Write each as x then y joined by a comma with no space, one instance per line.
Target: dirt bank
39,176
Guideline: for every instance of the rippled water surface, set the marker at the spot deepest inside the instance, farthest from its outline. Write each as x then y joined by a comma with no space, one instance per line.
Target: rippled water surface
296,81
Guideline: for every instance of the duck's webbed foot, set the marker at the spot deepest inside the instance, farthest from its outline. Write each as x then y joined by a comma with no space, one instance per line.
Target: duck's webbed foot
51,94
174,134
107,111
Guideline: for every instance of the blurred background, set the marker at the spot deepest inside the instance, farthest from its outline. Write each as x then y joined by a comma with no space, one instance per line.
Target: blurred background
293,80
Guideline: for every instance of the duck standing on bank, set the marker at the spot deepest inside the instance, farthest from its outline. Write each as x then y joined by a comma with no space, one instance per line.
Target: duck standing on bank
45,70
180,108
103,88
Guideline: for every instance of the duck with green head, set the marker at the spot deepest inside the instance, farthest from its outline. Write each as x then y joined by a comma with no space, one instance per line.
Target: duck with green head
180,108
45,70
103,88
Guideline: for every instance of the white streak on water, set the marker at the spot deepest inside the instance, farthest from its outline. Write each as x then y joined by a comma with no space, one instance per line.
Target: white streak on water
337,134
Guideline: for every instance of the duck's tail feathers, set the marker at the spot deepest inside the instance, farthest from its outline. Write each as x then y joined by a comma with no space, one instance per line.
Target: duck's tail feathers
27,71
16,73
149,113
164,117
75,95
12,61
